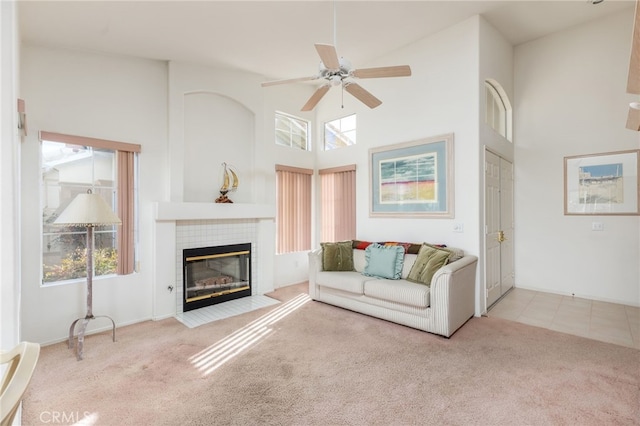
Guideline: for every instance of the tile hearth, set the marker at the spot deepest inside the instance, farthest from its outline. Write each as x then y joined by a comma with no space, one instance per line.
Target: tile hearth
224,310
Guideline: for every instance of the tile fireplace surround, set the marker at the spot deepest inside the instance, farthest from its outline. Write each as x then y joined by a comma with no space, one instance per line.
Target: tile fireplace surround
190,225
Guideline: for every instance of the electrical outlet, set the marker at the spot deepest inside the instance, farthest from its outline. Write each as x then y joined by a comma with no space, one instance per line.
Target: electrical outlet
458,227
597,226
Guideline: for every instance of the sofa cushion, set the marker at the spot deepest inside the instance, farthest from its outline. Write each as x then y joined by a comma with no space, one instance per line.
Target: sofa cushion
429,260
399,291
337,256
456,253
384,261
359,260
409,260
353,282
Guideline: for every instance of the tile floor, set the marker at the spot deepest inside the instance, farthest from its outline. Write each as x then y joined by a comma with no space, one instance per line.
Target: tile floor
607,322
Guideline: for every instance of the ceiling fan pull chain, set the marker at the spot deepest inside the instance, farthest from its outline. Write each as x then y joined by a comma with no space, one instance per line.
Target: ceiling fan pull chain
342,95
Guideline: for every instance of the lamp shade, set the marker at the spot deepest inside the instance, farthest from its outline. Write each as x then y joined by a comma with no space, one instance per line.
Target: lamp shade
87,209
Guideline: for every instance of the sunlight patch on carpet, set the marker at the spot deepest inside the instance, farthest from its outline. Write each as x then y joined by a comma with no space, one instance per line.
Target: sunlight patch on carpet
224,310
211,358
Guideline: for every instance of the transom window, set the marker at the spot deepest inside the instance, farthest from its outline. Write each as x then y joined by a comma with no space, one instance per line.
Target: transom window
292,131
498,109
340,133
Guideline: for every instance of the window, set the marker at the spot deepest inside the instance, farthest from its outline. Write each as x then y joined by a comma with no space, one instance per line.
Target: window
498,109
71,165
293,220
340,133
338,195
292,132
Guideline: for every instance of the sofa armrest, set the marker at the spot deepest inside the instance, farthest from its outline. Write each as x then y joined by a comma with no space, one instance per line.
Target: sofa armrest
315,266
453,291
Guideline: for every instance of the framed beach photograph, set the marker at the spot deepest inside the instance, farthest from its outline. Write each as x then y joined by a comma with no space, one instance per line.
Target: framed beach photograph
602,184
412,179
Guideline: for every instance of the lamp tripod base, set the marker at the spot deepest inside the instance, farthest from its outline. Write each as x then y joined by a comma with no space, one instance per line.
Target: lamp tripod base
81,332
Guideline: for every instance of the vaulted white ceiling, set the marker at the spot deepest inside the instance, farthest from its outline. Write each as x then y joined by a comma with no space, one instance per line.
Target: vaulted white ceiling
276,38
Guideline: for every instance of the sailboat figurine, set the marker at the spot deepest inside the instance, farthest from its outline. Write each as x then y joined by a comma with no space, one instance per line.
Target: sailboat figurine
229,184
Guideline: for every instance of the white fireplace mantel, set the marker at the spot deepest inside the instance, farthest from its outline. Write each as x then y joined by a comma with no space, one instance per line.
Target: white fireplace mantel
168,259
168,211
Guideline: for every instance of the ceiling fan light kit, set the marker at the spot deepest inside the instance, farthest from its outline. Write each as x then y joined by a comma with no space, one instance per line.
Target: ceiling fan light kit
339,72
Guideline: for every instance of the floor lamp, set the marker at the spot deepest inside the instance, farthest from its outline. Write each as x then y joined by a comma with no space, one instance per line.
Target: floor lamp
88,210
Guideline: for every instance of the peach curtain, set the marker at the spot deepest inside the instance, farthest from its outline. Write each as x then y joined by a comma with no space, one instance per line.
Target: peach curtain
125,211
338,203
293,220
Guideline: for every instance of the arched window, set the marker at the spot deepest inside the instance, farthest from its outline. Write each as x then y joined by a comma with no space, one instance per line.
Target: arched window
498,109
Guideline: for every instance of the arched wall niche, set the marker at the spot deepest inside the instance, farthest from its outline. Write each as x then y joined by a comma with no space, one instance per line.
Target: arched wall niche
217,129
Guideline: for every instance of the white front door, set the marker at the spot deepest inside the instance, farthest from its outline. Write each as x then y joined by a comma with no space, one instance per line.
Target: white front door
506,224
499,271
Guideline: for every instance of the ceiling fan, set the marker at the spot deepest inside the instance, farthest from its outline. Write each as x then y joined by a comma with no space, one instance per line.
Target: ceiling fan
334,71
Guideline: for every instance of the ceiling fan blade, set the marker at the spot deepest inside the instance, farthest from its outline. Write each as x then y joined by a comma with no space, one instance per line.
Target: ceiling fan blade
633,119
361,94
290,80
328,56
315,98
396,71
633,83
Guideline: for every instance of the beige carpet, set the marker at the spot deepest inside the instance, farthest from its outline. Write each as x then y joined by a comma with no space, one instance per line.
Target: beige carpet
307,363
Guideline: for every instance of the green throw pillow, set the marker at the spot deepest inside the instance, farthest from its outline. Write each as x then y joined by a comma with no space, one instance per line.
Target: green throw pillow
337,256
429,260
384,262
456,253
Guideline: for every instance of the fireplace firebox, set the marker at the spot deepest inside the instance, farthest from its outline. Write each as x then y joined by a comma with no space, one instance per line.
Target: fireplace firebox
215,274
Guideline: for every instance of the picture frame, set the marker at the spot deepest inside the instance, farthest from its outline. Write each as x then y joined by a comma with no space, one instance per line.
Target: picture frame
602,184
413,179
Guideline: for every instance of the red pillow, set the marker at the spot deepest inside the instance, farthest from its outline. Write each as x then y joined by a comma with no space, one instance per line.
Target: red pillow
361,245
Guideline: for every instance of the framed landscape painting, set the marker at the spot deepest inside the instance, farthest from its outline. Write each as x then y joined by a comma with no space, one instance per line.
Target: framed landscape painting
602,184
412,179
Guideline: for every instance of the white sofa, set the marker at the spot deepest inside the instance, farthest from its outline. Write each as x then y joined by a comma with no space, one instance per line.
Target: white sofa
440,308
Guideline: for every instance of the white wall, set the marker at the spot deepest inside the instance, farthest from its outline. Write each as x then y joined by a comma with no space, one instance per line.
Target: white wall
217,130
256,160
239,89
496,63
290,268
103,96
139,101
440,97
9,170
570,99
562,108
